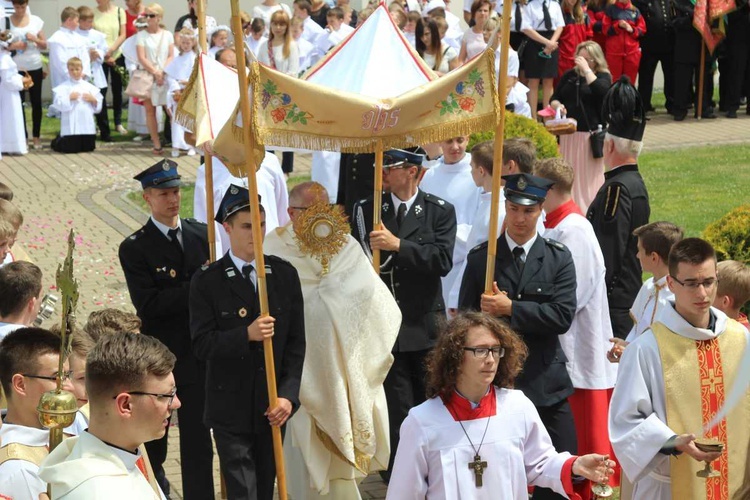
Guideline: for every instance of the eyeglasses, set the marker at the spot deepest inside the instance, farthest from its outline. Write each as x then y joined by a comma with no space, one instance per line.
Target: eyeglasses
64,376
482,352
693,285
150,16
170,396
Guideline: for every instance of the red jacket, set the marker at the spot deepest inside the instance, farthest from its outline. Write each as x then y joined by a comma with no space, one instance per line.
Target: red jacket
571,36
619,41
596,17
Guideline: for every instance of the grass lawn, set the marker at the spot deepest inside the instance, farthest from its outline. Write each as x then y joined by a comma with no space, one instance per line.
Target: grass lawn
693,187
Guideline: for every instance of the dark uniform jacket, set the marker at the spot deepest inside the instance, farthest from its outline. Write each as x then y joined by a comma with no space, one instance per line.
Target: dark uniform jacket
688,41
620,206
659,37
544,303
413,274
222,305
158,277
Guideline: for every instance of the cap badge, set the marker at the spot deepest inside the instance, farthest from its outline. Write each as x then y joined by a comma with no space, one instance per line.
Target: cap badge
242,312
522,184
233,190
165,165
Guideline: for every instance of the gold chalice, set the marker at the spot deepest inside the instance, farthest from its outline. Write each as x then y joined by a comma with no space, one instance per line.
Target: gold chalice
708,445
601,490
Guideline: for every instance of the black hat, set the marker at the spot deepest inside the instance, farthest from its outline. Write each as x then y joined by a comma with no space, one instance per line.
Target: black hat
623,111
161,175
398,157
235,199
526,189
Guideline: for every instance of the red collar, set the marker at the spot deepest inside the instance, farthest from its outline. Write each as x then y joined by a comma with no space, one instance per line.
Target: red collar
460,407
556,216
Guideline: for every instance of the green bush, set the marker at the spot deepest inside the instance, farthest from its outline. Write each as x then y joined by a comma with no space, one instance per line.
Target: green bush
730,235
520,126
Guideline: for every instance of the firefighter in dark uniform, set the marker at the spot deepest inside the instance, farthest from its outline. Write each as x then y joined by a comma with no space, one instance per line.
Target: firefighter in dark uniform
416,247
621,205
657,46
228,335
534,290
158,261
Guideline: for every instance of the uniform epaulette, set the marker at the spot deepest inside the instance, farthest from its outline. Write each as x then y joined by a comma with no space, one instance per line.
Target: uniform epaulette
434,199
479,247
555,244
191,220
136,234
278,259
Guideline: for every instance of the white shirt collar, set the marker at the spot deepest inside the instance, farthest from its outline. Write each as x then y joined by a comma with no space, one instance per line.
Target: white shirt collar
396,202
239,264
164,228
28,436
526,246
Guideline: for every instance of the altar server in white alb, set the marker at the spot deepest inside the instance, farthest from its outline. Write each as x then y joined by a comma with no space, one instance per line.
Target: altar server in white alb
587,341
271,189
354,321
12,139
475,435
64,44
97,48
655,240
449,177
178,73
131,393
672,380
78,101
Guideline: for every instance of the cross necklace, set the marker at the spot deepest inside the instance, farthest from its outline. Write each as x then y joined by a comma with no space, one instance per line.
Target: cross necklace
477,465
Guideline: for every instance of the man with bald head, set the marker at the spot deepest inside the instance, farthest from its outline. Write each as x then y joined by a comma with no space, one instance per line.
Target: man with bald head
353,318
227,57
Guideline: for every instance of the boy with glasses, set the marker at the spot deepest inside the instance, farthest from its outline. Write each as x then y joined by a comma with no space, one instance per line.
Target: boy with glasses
29,360
131,392
672,381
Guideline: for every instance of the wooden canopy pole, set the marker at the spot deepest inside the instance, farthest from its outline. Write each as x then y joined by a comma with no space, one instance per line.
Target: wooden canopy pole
208,159
701,79
497,159
377,200
260,268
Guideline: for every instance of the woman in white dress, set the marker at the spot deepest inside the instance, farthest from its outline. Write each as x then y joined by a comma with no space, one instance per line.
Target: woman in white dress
476,435
439,56
155,48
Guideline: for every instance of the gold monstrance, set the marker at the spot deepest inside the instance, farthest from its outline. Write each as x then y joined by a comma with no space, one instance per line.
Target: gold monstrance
57,408
321,232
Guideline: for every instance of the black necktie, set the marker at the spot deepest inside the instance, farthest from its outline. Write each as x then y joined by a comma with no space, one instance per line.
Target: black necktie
547,19
518,16
247,271
172,233
518,258
401,214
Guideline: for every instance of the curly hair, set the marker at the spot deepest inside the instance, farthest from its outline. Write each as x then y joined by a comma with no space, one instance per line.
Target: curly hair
445,360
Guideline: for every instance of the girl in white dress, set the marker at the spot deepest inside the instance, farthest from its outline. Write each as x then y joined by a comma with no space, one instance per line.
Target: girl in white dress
178,74
12,138
219,40
438,55
155,48
281,52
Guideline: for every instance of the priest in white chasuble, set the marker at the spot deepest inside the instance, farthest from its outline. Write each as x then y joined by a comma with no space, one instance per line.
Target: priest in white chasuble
671,383
476,437
340,433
